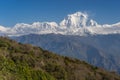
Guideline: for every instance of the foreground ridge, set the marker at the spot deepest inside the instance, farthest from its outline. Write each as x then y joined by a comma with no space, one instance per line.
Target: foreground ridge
26,62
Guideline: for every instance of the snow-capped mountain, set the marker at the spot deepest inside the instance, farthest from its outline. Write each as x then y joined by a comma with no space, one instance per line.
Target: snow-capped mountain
98,50
76,20
74,24
36,27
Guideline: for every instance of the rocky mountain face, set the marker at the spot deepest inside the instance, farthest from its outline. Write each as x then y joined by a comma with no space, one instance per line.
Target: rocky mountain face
99,50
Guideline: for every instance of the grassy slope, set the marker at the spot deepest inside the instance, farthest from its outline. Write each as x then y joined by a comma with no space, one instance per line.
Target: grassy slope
25,62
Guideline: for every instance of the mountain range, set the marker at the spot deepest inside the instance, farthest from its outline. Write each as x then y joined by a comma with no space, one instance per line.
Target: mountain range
74,24
75,36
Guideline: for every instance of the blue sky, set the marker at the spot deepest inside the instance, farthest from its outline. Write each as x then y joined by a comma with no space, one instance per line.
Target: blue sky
29,11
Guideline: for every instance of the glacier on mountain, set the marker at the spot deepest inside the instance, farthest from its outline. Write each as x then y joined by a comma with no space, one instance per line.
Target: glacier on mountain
74,24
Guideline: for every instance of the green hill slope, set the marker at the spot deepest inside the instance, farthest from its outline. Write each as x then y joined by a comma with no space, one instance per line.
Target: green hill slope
26,62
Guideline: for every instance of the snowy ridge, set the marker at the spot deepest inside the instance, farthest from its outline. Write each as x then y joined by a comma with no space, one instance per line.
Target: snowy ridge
74,24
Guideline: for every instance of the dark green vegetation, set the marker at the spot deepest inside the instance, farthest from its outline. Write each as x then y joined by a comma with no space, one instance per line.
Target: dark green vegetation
25,62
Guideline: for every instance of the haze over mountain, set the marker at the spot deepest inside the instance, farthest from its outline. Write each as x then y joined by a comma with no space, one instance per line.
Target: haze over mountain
74,24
